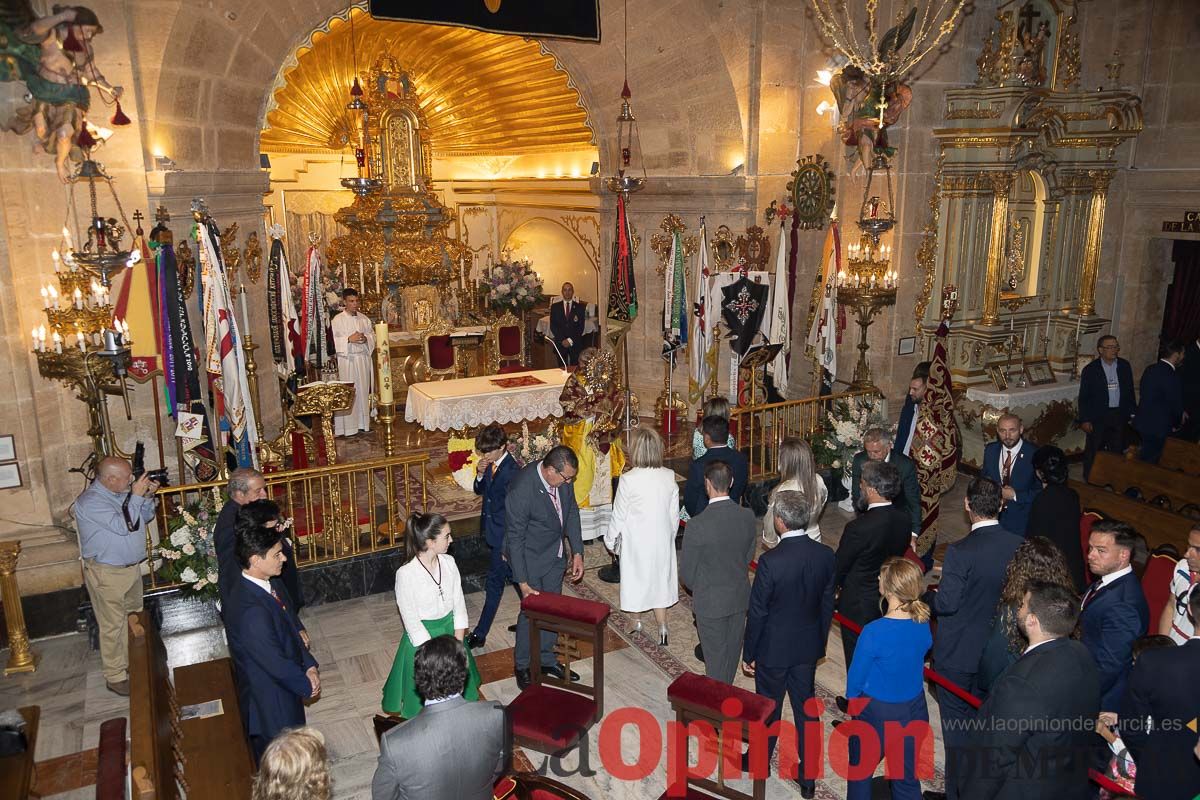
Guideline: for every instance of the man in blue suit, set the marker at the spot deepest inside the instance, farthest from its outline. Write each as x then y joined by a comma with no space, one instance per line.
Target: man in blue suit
716,439
1009,462
965,604
566,325
907,425
1160,407
493,471
1114,609
791,608
276,673
1106,401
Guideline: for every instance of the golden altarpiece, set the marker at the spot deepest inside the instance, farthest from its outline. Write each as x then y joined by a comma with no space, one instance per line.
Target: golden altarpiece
1016,223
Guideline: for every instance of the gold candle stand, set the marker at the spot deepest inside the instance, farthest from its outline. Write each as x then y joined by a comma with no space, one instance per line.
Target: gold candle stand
20,657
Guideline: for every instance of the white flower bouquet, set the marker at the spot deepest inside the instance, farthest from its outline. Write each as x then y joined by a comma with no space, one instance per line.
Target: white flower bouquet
845,426
189,554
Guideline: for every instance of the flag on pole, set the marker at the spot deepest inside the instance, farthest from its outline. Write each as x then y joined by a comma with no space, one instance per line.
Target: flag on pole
136,302
281,309
781,322
314,315
936,441
823,335
702,335
224,358
622,290
675,314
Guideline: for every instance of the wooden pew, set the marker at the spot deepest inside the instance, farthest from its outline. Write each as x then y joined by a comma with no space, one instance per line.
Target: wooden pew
110,760
218,763
16,771
1167,489
153,715
1158,526
1181,456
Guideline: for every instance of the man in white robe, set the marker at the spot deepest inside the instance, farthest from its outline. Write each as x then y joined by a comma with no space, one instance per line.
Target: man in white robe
354,340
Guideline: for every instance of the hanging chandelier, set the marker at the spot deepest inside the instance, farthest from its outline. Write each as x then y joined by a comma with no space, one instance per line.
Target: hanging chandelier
888,58
629,142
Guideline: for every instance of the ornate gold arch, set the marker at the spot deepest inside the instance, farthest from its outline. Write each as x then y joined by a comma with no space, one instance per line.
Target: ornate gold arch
481,93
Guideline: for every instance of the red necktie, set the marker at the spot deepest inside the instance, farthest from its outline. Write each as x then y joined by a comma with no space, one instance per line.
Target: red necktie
1006,471
1092,591
278,599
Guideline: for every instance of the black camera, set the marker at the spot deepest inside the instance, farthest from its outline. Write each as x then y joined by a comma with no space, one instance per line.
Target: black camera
159,476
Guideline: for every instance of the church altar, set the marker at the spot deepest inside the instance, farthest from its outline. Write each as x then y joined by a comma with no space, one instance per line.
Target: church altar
1047,412
471,402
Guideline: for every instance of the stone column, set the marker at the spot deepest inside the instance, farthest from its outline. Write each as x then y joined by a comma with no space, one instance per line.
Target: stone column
1095,231
20,657
1001,184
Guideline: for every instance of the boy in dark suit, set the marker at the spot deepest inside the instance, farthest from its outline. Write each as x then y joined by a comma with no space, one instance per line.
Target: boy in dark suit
964,604
716,439
1160,406
276,672
566,325
494,470
791,608
1009,462
1035,732
1106,401
1114,609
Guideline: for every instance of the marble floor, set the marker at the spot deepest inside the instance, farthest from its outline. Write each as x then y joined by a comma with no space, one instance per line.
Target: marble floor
354,641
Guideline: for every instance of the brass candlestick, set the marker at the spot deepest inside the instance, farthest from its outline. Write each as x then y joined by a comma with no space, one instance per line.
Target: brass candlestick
249,347
20,657
387,420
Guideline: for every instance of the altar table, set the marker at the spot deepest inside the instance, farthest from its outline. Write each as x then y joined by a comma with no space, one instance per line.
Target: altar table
1047,412
471,402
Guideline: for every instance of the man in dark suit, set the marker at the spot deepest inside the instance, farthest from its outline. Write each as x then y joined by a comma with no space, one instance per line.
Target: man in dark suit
276,672
877,446
1160,403
453,749
880,533
1106,401
716,439
1009,462
539,511
1189,381
964,604
493,472
1114,609
791,608
715,565
245,486
1035,733
1163,688
566,324
907,425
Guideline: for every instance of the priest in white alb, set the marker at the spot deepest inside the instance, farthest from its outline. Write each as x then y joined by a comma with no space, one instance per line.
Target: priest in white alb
354,340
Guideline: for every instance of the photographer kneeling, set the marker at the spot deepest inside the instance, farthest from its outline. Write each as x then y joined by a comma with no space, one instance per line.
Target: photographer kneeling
111,516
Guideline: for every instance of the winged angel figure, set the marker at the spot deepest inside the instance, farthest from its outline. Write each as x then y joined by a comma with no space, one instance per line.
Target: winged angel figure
52,57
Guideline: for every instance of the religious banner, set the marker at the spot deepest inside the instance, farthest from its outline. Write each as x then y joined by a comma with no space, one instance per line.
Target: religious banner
314,314
622,289
675,315
822,337
562,19
743,308
137,303
703,354
936,441
781,322
282,318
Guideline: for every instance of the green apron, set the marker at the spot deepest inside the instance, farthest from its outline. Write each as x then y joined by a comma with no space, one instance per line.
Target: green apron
400,692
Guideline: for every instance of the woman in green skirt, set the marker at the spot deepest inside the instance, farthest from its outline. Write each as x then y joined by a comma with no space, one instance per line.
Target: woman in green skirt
430,597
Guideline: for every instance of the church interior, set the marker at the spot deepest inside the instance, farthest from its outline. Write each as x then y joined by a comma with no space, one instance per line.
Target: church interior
791,205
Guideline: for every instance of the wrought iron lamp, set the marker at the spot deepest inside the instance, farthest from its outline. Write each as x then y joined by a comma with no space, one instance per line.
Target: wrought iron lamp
868,287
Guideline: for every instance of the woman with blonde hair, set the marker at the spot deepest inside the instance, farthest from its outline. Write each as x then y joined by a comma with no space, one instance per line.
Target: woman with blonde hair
645,517
889,672
294,764
797,473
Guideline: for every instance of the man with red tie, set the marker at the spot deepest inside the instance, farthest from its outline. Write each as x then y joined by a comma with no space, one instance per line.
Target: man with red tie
1009,462
566,324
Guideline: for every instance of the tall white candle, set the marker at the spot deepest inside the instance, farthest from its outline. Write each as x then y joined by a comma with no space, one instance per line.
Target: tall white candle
361,284
1078,325
57,343
377,268
57,261
78,299
1025,338
45,298
245,314
383,363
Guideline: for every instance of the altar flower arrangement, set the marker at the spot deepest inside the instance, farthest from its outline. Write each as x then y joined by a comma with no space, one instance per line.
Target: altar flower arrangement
534,448
512,286
189,553
463,459
843,432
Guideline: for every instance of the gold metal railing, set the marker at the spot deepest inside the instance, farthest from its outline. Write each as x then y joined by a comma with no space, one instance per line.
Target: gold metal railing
759,430
338,511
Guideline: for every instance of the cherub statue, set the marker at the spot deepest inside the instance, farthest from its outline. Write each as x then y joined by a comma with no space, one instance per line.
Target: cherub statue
53,57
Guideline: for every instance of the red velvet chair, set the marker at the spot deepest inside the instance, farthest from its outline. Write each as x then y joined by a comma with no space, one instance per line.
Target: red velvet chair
552,715
1156,581
441,361
698,698
508,344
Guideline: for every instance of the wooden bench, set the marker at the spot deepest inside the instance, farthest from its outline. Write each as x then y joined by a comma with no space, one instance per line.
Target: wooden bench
1158,486
16,771
154,755
1155,524
217,757
110,760
1181,456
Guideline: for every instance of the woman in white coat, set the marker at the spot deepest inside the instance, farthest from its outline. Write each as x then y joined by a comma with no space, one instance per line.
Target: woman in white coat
645,517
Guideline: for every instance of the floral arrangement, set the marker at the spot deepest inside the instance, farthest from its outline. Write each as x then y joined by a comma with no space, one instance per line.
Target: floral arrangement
463,459
189,555
512,286
534,448
845,426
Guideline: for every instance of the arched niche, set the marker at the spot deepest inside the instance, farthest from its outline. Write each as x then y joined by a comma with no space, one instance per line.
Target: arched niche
1028,225
556,255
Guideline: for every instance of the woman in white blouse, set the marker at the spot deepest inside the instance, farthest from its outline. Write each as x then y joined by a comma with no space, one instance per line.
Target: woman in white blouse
645,517
797,473
430,597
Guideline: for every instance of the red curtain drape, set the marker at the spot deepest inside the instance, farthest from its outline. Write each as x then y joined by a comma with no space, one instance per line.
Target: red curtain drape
1183,296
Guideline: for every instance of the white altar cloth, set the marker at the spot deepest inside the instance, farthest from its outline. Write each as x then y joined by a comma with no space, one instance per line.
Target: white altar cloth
470,402
1030,395
415,337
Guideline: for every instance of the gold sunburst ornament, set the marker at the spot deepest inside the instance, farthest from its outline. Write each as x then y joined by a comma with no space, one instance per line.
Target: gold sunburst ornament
812,191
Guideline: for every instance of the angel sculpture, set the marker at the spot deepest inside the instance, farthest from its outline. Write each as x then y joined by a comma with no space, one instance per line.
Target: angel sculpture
52,56
863,126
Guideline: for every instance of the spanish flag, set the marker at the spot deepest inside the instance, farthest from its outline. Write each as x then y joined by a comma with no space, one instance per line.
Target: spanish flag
136,292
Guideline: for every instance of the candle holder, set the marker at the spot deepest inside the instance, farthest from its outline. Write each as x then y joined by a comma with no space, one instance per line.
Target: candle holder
868,288
1075,357
386,414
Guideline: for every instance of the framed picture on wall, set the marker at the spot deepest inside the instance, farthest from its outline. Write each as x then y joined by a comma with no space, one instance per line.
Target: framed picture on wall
10,476
998,376
907,346
1038,372
8,448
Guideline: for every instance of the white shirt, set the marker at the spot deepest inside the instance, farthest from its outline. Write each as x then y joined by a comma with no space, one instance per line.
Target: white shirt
259,582
418,599
878,505
443,699
792,534
712,500
983,523
1105,580
912,429
1031,647
1168,363
1012,465
1182,585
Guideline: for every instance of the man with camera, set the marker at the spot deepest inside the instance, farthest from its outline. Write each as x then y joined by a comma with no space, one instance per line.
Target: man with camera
111,516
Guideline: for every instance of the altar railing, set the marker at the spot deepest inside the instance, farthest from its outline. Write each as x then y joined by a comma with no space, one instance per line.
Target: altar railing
338,511
759,430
